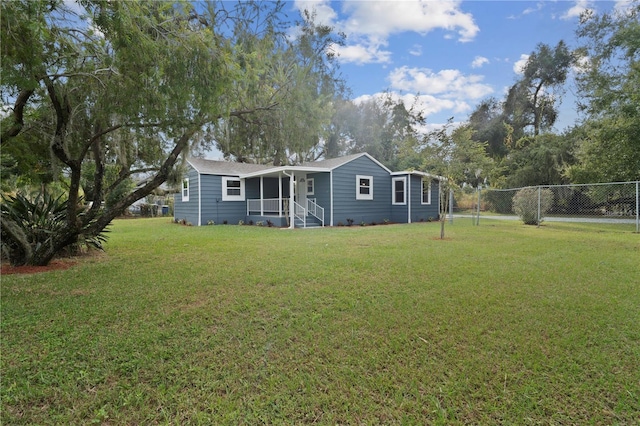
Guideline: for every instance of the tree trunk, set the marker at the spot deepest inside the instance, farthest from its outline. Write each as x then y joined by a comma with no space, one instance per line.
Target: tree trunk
14,243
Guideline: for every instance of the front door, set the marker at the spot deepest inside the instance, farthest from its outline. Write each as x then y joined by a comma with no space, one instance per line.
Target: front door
301,191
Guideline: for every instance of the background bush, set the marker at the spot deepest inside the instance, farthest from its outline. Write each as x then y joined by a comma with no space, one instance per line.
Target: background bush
525,204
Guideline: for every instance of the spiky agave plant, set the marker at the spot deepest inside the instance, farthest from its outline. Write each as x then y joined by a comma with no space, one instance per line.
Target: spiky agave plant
31,222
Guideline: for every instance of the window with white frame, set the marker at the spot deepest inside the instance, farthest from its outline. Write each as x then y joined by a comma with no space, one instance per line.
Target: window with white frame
232,189
364,187
426,191
399,188
185,189
310,187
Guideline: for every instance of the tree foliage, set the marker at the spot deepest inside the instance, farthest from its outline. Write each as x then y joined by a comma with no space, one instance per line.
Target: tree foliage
301,74
609,149
452,154
531,103
125,86
381,125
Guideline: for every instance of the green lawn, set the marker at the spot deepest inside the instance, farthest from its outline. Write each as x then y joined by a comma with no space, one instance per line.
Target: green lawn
501,323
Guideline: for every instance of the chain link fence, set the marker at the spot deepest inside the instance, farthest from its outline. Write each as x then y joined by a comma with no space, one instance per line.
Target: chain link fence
617,202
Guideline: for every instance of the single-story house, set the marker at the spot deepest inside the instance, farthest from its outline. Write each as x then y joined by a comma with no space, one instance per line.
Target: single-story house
355,188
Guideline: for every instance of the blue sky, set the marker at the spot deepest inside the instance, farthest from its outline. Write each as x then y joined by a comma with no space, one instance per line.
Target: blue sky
452,53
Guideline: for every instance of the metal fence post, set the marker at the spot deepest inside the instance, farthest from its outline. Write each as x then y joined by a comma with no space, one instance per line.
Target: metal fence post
451,205
539,190
478,221
637,207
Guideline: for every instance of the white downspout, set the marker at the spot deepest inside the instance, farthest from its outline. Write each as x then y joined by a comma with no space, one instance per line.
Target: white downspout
279,195
331,196
409,198
199,201
261,195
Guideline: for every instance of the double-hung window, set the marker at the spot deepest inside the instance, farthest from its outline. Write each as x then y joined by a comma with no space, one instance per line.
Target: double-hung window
310,186
232,189
426,191
364,187
399,190
185,189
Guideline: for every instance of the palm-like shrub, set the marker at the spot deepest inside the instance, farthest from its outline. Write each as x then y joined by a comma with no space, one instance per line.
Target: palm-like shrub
525,204
30,224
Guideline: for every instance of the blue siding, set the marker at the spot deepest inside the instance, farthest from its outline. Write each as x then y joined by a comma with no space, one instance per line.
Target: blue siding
423,212
208,190
322,193
213,208
188,210
344,188
400,212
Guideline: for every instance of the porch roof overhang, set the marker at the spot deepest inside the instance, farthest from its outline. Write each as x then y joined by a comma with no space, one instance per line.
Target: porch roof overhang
283,170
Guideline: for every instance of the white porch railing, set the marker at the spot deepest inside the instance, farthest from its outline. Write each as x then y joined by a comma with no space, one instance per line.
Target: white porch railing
264,206
280,207
300,213
315,210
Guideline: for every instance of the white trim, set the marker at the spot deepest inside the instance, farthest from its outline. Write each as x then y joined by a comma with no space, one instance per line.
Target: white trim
225,195
279,194
199,202
261,195
402,179
185,189
359,195
366,154
331,196
422,182
284,169
409,200
417,173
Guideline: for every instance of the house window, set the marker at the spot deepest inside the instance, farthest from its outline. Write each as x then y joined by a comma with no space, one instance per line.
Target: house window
232,189
399,189
185,189
364,187
426,191
310,187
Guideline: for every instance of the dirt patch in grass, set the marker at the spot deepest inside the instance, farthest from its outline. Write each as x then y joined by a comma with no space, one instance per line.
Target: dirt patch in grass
54,265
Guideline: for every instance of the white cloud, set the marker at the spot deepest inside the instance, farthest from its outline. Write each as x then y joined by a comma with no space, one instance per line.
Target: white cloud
416,50
384,18
426,104
518,66
479,61
623,6
449,84
529,10
324,13
577,9
368,24
5,110
362,54
582,65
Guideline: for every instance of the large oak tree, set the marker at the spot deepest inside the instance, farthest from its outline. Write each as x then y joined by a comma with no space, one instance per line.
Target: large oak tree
124,86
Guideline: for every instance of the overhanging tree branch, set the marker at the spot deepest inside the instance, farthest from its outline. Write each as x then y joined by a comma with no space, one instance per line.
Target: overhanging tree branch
18,116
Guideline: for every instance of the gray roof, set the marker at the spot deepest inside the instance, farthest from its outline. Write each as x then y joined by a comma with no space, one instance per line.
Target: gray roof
332,163
213,167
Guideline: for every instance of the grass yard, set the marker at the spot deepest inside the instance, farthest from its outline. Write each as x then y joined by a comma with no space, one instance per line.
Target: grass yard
499,324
